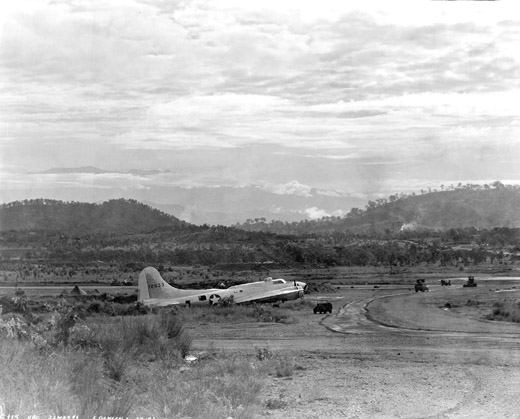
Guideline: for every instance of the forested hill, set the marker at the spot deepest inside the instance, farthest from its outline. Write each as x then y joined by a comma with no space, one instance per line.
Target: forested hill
114,216
476,206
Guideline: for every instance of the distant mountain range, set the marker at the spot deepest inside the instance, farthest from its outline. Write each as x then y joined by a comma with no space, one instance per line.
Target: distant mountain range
474,206
218,205
481,207
116,216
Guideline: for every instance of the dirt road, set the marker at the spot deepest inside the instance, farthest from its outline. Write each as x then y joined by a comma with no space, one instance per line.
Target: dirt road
386,353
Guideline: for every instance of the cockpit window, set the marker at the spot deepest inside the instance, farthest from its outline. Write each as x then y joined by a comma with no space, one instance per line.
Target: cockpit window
278,281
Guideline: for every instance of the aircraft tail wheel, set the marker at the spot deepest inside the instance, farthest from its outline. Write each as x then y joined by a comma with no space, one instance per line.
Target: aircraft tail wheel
214,299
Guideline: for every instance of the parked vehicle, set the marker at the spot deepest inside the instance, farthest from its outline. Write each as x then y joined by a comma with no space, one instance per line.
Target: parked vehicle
471,282
421,286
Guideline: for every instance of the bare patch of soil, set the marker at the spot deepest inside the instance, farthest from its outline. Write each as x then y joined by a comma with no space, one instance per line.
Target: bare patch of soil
410,358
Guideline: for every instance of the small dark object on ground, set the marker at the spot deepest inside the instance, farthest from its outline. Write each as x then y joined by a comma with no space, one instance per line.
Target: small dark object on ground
471,282
421,286
323,308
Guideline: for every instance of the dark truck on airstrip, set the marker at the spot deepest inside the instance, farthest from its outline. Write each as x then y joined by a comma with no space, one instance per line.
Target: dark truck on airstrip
471,282
421,286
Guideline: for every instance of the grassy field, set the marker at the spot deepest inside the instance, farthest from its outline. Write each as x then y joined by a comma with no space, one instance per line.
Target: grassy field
69,358
101,355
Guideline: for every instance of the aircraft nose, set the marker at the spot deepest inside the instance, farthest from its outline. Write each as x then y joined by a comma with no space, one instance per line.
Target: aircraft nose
304,286
300,293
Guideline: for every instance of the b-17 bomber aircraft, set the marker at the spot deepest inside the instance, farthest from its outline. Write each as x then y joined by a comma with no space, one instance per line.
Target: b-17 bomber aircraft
154,291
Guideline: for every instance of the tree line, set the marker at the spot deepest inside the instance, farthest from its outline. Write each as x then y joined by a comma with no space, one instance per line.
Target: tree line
221,245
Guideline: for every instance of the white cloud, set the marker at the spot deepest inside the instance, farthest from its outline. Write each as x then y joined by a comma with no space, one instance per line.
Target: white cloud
331,193
402,12
422,85
350,156
291,188
315,213
216,106
453,104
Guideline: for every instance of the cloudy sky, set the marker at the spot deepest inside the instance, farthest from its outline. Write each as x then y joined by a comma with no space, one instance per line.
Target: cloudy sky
362,98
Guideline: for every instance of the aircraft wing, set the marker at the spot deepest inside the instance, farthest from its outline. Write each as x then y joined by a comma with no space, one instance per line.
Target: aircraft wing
160,302
271,296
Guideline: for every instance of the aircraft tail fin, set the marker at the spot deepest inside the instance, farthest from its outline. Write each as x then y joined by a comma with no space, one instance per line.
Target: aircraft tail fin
151,285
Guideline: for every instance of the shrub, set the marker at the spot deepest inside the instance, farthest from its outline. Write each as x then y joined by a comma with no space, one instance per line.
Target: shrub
57,383
273,404
284,366
175,330
265,313
16,327
116,363
506,310
63,327
33,384
299,305
226,302
94,307
15,304
95,393
148,337
263,353
88,380
224,388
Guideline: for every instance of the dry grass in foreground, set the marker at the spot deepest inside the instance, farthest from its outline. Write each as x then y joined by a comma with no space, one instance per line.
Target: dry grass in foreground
506,310
127,366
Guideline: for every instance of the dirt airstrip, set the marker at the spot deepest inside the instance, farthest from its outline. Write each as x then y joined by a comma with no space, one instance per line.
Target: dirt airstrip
389,352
